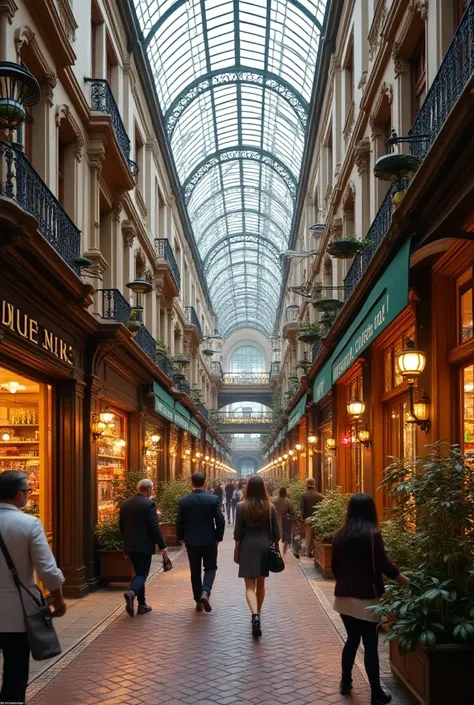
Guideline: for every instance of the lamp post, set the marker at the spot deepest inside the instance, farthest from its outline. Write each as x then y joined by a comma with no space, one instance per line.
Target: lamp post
411,363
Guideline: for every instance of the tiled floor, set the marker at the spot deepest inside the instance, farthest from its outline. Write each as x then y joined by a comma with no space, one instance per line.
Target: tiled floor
175,656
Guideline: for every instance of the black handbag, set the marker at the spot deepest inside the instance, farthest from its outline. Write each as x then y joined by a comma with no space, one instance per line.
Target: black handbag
42,637
167,565
276,563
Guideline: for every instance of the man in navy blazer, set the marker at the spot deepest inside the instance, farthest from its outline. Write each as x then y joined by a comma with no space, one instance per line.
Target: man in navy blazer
201,524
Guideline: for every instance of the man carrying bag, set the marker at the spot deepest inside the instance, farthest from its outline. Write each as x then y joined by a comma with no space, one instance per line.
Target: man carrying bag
25,620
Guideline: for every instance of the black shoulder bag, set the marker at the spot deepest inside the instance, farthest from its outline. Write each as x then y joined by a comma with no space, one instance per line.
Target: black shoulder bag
42,637
277,564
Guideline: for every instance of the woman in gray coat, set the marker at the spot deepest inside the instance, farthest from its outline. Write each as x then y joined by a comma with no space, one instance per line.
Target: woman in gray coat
256,528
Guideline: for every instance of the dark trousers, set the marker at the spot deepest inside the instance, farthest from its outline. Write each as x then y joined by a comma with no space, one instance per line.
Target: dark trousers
141,565
358,629
234,507
200,556
228,506
16,666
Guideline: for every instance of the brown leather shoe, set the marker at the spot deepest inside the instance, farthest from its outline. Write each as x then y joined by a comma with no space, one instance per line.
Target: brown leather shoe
205,602
129,606
199,607
144,609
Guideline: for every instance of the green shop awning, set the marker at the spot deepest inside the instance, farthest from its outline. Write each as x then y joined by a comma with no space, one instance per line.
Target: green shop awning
164,402
298,412
387,299
323,382
195,428
182,417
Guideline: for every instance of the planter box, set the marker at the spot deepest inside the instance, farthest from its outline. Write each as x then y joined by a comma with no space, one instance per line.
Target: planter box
440,675
169,534
115,567
322,559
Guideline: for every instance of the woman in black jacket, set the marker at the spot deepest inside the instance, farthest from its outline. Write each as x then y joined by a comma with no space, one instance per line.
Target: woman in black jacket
359,561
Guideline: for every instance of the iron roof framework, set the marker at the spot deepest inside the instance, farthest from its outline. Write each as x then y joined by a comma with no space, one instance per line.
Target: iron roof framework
234,81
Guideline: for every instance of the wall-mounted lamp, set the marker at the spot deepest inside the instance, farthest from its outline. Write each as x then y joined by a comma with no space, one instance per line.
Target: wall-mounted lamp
312,439
363,436
187,452
291,453
280,459
331,444
411,363
356,407
101,423
285,456
298,447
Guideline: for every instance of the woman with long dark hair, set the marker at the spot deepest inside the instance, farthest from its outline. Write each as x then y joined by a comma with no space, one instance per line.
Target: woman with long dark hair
256,528
359,561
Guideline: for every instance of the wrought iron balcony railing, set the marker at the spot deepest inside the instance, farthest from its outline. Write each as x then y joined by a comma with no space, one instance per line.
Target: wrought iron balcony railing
114,306
275,369
146,342
453,76
203,411
20,182
165,365
246,377
216,368
194,320
164,251
103,101
244,418
184,386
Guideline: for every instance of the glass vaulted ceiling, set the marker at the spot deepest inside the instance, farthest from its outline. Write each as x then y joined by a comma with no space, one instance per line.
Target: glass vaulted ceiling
234,81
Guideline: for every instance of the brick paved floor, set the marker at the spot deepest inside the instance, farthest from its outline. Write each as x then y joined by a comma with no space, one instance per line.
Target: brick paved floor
175,656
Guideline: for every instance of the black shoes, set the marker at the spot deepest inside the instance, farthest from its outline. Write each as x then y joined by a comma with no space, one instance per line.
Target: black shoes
199,607
379,696
205,602
129,598
346,685
256,626
144,609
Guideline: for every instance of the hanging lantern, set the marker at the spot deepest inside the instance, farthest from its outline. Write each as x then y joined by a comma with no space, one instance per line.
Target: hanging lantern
356,407
18,90
411,362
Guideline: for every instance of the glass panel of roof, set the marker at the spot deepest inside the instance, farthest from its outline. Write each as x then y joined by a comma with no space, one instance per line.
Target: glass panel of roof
234,80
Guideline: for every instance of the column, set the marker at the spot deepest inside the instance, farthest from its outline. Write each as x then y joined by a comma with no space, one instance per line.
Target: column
401,114
95,155
158,295
337,126
171,330
362,204
128,258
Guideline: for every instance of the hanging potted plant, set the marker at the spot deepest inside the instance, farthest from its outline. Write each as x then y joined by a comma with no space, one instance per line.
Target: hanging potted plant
208,352
331,305
328,517
162,351
346,248
311,333
180,361
430,626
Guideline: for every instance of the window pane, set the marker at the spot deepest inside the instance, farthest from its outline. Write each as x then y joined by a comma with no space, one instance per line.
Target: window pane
247,359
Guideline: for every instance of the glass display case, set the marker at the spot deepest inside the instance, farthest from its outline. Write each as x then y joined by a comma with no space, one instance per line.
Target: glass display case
111,462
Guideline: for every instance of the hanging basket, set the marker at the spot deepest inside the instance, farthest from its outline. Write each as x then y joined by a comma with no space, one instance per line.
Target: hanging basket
208,352
180,361
133,325
345,249
327,305
309,337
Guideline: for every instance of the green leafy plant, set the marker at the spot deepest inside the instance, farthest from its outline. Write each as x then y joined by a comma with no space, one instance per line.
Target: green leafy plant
347,247
434,494
329,515
400,541
107,531
107,534
126,486
168,496
162,350
294,489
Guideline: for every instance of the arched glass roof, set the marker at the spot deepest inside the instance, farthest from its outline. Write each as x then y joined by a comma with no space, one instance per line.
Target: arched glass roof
234,81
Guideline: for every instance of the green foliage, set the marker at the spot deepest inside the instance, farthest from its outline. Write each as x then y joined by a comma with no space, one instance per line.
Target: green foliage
162,349
126,486
312,329
329,515
435,494
295,489
107,534
169,494
400,541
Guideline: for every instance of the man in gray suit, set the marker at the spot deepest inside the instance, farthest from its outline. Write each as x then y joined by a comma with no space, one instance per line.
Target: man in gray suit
201,524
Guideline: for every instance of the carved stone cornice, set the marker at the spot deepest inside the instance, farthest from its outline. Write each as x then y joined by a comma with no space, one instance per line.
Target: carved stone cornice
63,113
362,155
117,208
95,157
25,37
375,30
129,232
419,7
8,8
397,58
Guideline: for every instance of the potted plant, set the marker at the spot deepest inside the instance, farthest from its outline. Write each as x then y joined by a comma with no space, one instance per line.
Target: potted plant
431,625
311,333
115,566
162,350
347,247
328,304
208,352
135,322
328,517
180,362
168,496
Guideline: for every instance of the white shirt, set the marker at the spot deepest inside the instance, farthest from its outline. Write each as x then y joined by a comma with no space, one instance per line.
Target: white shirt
28,547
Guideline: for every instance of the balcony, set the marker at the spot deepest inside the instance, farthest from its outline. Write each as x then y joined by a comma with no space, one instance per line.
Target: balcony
20,182
245,378
103,101
203,411
275,369
216,369
245,443
167,268
454,75
114,306
193,320
290,324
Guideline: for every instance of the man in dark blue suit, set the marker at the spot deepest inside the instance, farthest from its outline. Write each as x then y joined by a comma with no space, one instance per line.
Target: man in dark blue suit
201,524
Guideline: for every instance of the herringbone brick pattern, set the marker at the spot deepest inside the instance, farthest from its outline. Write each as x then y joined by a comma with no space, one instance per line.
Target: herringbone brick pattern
175,656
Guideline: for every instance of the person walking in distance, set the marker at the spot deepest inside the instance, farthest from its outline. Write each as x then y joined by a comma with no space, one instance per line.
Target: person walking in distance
25,541
141,532
256,528
237,497
309,499
359,562
201,525
229,491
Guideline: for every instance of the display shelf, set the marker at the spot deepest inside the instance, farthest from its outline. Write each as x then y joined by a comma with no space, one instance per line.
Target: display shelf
110,457
17,443
20,425
20,457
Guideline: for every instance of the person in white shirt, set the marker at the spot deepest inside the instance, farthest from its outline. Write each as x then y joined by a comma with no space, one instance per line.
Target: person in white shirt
26,542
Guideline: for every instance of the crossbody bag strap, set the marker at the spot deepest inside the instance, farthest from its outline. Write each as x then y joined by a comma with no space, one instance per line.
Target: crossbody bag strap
15,576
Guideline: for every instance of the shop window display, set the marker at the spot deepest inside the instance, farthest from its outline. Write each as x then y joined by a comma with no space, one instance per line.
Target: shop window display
25,437
153,443
468,411
111,462
465,290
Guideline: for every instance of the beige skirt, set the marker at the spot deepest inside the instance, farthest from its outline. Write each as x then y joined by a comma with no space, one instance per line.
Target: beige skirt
355,607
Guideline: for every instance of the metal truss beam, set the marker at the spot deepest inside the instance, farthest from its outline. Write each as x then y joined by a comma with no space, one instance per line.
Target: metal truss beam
244,188
253,211
252,240
239,153
244,262
238,76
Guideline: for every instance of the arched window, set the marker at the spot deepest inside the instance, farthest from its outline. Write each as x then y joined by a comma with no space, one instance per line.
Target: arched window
247,359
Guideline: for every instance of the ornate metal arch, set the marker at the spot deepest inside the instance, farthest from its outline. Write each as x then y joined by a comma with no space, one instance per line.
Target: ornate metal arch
253,211
238,154
239,76
233,264
238,189
251,238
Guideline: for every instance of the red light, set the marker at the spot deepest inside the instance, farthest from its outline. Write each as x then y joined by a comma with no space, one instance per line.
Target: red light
346,440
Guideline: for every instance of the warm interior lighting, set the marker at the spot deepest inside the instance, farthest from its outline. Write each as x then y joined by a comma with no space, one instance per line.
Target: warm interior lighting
280,459
5,437
187,451
206,458
106,417
356,407
363,435
13,387
285,455
291,452
155,438
312,439
198,455
331,443
469,387
421,410
298,447
121,443
411,362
